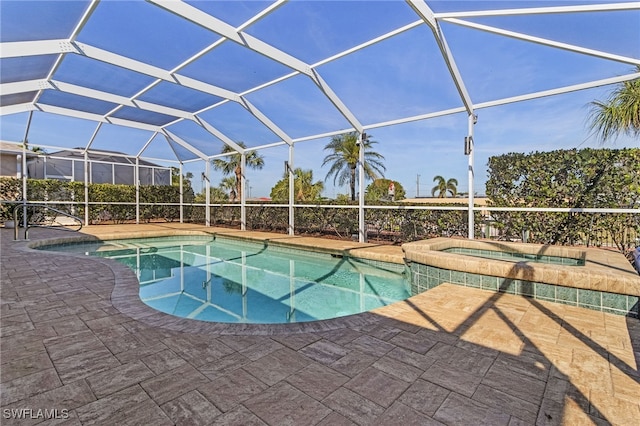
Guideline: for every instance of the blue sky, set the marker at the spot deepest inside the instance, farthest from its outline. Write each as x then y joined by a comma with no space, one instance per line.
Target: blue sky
402,76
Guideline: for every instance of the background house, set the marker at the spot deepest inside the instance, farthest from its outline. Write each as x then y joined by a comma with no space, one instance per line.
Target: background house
11,159
104,167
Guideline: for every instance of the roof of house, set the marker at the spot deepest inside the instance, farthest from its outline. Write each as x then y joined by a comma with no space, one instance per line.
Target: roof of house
13,148
101,155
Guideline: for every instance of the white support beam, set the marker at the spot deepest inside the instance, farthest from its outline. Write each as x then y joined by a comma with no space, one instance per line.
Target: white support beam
94,117
218,134
87,179
417,117
147,143
204,87
113,98
291,198
122,61
135,124
71,113
172,148
24,86
35,48
85,18
336,101
243,192
275,54
265,120
207,189
268,10
186,145
471,119
181,183
362,225
93,137
541,10
544,41
369,43
153,71
89,93
223,29
425,12
137,184
558,91
17,108
161,109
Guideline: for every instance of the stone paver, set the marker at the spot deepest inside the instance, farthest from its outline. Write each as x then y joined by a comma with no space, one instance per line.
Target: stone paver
76,339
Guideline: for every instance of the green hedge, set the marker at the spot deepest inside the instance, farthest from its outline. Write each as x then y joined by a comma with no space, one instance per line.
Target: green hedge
394,225
596,178
51,190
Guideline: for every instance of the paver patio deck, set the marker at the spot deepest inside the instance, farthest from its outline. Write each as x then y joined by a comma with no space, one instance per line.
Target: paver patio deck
73,339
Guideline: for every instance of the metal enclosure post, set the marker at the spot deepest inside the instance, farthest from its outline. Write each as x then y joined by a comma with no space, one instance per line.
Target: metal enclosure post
137,179
207,188
86,187
181,197
24,187
362,232
291,191
471,222
243,193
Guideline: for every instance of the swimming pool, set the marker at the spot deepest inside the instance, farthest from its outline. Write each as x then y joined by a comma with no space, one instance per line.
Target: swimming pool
226,280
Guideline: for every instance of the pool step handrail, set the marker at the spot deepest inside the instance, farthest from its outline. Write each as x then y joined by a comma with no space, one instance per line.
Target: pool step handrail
52,221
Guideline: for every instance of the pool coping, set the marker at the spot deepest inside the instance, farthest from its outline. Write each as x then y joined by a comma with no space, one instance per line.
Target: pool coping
596,273
125,294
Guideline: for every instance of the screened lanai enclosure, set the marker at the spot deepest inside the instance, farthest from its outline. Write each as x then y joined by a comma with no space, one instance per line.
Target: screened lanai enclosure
440,85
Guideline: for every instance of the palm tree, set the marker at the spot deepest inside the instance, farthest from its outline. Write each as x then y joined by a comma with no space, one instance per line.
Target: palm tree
344,157
443,186
231,164
304,187
620,114
228,186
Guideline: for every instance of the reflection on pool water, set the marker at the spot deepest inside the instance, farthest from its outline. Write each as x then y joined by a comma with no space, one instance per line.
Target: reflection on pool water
225,280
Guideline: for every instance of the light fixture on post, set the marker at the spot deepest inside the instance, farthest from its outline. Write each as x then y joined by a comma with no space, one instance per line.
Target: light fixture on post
468,145
362,138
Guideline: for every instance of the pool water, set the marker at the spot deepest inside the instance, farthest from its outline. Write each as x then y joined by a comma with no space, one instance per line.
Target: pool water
225,280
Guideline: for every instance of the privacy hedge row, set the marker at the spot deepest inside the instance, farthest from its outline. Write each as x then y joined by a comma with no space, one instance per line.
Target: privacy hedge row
602,178
51,190
386,224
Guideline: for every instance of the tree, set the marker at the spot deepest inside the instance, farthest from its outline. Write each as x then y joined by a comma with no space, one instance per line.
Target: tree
228,186
304,187
187,190
175,177
620,114
443,186
231,164
36,149
379,190
216,194
344,157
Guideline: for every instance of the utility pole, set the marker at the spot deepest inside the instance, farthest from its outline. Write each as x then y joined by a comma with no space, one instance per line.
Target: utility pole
418,186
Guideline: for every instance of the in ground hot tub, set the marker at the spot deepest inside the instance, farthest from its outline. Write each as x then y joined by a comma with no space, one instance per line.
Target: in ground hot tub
588,277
